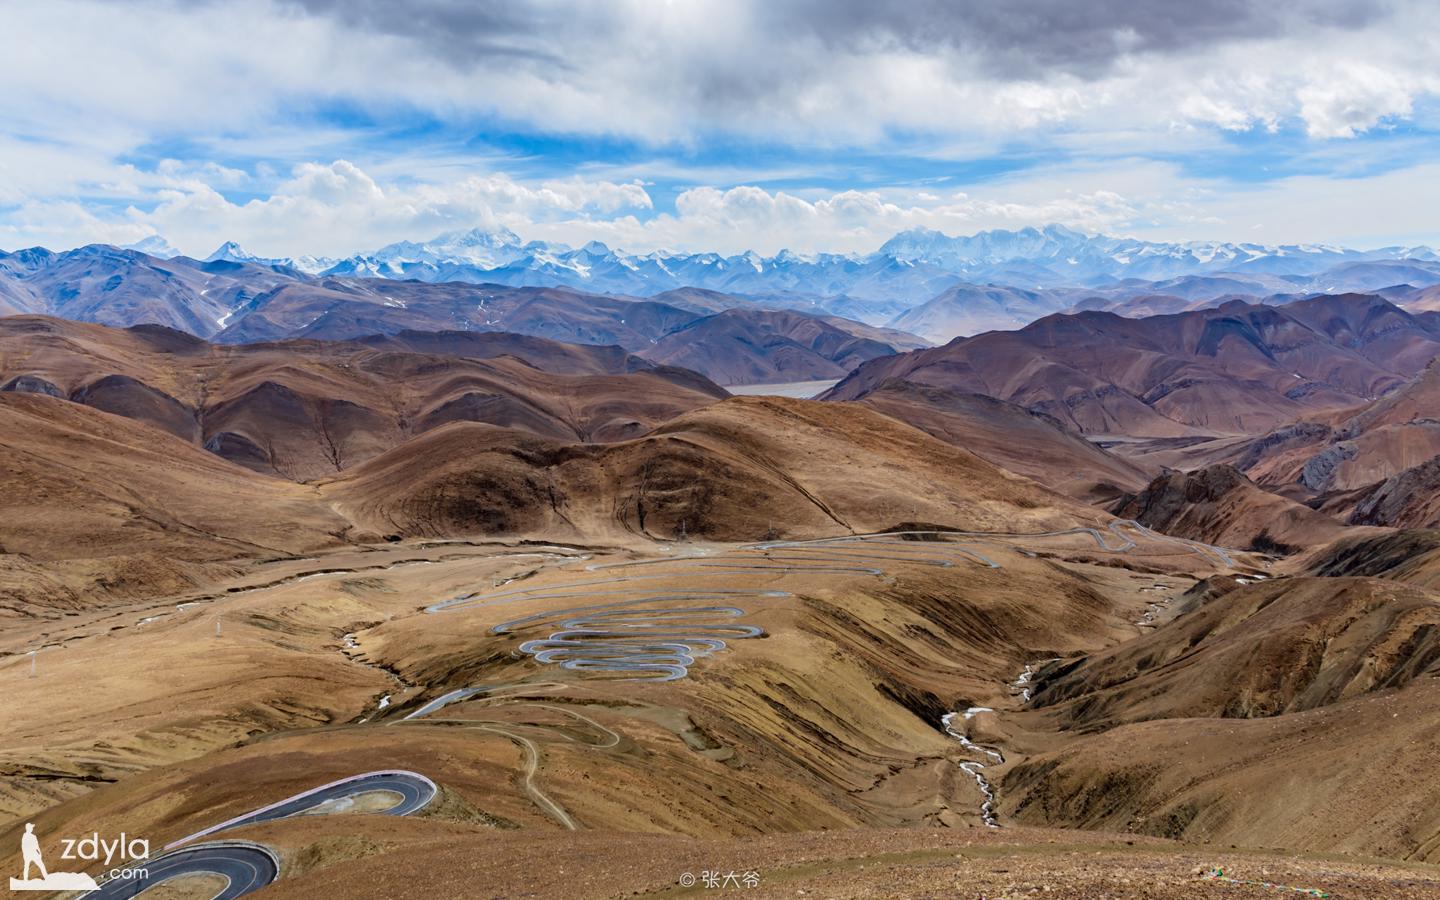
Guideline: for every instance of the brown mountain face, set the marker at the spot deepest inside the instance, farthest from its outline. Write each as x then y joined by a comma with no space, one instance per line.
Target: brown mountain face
303,409
118,507
1423,299
1253,697
1340,455
552,356
735,346
1020,440
731,471
1410,499
1411,556
1219,505
1279,646
1237,369
901,341
708,302
763,347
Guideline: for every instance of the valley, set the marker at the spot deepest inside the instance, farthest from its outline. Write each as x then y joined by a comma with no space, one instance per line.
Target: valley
759,448
1128,605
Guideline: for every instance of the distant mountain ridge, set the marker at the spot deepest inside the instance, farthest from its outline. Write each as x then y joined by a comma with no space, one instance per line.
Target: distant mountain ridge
921,282
914,265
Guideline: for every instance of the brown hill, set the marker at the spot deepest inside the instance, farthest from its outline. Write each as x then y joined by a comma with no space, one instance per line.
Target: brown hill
1411,556
302,409
1219,505
118,507
552,356
1410,499
1340,451
1236,369
1423,299
749,346
709,302
1303,781
1020,440
1263,714
732,471
342,309
900,340
1280,646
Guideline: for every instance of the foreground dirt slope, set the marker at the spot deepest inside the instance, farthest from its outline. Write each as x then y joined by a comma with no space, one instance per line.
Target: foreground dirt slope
831,719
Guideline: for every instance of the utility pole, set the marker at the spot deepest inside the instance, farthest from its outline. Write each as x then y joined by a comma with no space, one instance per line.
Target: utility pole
33,654
217,626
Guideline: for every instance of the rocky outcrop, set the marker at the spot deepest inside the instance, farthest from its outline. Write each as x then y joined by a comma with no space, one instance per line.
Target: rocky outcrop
1408,500
1219,505
31,384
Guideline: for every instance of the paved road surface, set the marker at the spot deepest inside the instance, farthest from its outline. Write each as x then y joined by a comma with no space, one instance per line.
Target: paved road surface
414,790
246,867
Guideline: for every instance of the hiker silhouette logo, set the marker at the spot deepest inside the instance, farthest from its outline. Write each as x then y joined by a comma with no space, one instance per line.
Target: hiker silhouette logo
35,877
122,853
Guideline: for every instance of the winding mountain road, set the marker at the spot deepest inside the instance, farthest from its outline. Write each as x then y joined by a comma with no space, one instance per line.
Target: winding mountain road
244,866
661,642
414,790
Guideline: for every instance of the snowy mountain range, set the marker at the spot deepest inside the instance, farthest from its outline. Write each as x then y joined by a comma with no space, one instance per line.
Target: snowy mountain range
920,282
911,267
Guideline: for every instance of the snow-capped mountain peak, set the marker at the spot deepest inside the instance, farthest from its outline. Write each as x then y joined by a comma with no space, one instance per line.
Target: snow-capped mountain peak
475,247
232,252
153,245
910,268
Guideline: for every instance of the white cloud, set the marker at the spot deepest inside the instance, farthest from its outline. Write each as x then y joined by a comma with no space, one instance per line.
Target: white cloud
240,90
1356,98
330,209
337,209
679,71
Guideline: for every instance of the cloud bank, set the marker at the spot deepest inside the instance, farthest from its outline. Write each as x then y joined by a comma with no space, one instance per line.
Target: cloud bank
324,126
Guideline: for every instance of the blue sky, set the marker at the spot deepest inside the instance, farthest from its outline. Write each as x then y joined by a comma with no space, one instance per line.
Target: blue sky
319,127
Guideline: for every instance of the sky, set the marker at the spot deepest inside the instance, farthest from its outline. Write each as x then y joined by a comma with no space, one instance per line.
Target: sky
328,127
